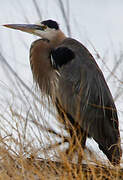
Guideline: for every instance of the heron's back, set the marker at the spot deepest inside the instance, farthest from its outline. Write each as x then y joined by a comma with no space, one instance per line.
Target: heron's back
84,94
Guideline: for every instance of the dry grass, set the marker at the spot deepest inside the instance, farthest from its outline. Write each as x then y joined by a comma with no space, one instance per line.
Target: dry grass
18,167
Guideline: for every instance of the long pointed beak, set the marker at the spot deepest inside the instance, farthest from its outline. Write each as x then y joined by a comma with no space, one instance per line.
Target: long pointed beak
30,28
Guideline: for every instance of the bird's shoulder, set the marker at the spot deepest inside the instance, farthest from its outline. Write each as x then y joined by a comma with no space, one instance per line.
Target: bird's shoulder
75,45
83,61
82,56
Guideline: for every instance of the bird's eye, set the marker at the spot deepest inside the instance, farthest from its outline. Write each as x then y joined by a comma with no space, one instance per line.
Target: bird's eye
40,27
44,27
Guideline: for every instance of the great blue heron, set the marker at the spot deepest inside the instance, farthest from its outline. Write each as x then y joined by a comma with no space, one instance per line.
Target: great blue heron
66,71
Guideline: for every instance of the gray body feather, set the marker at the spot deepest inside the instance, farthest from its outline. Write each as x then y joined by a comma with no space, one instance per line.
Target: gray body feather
83,93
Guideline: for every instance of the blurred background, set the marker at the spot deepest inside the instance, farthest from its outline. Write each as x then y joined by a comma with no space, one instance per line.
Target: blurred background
97,24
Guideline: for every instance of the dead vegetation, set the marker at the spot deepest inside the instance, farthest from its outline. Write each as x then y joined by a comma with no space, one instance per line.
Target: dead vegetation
21,168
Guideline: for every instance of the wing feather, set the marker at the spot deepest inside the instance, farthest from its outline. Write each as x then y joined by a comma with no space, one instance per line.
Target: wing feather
82,87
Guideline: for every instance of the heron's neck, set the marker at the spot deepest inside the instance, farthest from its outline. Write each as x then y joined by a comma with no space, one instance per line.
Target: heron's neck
58,39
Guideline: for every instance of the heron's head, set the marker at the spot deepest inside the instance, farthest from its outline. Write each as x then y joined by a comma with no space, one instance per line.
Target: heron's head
48,29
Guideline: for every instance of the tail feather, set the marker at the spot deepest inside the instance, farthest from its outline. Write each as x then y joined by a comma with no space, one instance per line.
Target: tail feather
113,153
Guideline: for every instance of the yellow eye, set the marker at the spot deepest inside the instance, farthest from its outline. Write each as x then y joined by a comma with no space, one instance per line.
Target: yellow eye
44,27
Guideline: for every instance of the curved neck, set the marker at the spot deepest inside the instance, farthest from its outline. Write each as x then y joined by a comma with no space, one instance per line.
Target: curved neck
58,39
